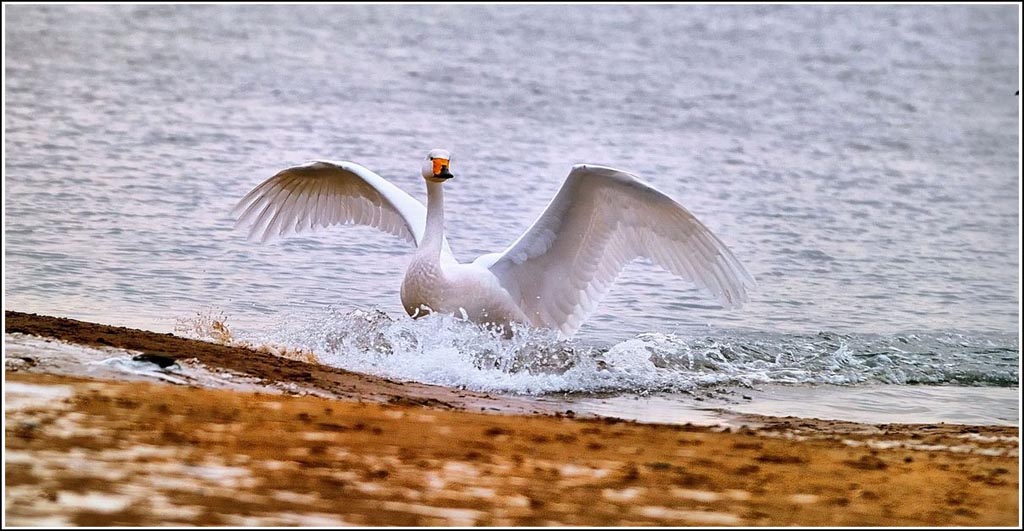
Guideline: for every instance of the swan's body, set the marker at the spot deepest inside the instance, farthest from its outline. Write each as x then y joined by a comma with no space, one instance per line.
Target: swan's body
553,276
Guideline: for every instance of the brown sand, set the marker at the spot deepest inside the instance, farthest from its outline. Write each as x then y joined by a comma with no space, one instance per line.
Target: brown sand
89,452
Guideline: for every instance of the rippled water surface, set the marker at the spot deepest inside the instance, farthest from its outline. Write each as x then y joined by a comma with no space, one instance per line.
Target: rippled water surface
862,161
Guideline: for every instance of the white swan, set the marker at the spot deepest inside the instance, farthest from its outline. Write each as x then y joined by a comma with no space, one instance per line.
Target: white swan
553,276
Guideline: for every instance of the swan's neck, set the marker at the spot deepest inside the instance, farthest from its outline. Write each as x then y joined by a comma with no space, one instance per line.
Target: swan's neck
433,235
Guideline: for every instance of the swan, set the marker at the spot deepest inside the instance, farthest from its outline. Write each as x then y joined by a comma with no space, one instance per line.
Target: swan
552,276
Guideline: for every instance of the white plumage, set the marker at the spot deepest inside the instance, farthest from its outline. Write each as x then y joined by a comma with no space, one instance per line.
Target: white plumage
324,193
553,276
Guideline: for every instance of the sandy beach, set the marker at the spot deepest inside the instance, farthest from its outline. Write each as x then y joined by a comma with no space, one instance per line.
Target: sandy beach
359,450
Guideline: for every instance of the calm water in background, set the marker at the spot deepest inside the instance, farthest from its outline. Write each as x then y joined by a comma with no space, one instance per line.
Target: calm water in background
861,161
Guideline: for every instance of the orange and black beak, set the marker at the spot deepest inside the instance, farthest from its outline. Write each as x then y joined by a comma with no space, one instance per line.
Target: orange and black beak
441,172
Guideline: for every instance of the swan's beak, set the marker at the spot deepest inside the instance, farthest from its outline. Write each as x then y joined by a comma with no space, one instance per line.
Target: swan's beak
441,170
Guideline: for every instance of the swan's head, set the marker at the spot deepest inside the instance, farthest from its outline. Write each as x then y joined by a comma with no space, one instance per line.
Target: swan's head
437,166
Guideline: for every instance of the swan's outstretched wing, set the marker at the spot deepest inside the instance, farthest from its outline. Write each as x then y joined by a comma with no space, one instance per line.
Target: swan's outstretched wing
600,220
324,193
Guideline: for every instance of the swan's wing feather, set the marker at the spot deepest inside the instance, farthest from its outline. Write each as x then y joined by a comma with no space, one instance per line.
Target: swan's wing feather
599,221
324,193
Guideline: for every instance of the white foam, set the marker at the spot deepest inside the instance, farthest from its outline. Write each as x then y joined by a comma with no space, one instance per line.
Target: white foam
447,351
59,357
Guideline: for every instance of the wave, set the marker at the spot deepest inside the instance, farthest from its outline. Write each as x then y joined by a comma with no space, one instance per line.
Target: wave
447,351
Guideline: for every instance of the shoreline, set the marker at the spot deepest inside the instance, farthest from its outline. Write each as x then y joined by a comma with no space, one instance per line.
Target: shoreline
84,451
263,364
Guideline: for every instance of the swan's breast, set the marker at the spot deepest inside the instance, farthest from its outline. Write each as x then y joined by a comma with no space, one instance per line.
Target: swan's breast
464,290
424,285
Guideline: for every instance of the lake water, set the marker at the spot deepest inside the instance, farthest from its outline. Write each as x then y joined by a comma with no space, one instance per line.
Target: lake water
861,161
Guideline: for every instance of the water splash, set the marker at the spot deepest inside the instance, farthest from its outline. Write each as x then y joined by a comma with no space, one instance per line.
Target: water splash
211,325
206,325
447,351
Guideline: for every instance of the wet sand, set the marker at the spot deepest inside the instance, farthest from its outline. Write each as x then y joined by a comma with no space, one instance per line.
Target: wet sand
92,452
